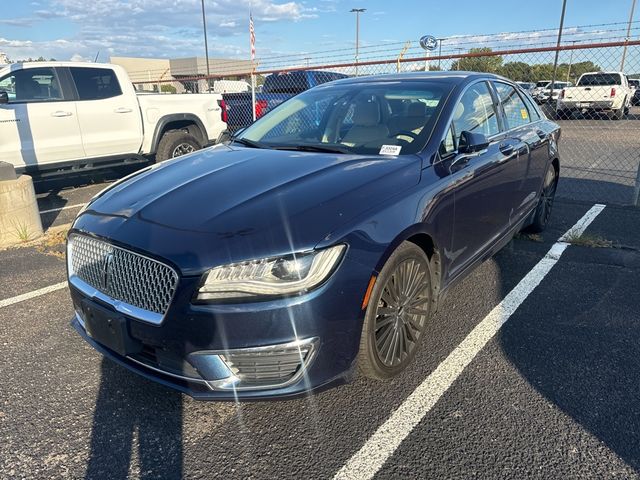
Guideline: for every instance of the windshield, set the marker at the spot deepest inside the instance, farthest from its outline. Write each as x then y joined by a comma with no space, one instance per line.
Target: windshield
634,82
599,79
354,118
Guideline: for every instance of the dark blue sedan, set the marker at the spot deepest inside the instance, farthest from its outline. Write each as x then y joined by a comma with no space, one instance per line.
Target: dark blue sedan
317,242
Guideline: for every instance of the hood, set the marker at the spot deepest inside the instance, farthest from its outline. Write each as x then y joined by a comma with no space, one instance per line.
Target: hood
229,204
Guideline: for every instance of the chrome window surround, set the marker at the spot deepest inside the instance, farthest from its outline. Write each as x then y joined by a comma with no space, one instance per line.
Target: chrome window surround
120,304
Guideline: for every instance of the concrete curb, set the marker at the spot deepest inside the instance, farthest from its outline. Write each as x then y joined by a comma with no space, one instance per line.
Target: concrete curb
19,215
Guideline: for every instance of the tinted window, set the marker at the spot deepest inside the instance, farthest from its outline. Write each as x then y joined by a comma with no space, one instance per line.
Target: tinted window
475,112
95,83
599,79
515,111
293,82
634,83
32,85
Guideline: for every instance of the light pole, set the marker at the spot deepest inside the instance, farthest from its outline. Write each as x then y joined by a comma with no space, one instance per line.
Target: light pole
206,46
624,50
555,62
357,11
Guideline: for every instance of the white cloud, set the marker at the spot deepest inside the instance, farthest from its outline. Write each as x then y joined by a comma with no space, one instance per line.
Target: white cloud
154,28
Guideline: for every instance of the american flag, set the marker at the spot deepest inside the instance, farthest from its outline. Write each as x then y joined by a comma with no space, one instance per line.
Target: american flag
252,37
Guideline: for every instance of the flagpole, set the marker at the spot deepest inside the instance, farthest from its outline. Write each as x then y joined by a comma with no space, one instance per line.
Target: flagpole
253,67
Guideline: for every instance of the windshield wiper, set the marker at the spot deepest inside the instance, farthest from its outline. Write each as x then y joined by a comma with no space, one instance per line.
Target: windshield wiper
312,148
247,143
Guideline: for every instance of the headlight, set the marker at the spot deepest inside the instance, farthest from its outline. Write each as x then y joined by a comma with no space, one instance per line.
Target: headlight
296,273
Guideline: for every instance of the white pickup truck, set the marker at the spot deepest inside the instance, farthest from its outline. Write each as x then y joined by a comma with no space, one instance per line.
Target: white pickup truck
56,116
607,92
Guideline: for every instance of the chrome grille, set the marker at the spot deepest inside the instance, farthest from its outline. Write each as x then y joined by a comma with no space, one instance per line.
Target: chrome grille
272,365
121,274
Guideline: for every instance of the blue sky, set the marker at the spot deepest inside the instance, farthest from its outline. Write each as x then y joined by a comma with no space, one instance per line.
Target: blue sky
78,29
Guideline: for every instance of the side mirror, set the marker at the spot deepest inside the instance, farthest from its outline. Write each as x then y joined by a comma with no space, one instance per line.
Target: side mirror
471,142
4,97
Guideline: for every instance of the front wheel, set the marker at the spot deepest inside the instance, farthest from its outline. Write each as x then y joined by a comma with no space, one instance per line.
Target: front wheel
176,143
545,203
399,309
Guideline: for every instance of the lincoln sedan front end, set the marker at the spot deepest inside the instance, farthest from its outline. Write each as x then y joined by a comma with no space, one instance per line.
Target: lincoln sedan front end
316,243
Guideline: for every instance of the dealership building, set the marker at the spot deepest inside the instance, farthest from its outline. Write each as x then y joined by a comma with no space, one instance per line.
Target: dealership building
181,73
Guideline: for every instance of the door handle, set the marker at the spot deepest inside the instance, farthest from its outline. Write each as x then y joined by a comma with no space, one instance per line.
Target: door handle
541,134
507,149
123,110
61,113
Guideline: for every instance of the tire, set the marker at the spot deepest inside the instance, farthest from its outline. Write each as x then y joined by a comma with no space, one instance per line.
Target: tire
175,143
618,114
542,212
391,335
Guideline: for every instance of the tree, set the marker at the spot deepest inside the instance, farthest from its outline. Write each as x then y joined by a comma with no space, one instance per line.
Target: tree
517,71
166,88
482,63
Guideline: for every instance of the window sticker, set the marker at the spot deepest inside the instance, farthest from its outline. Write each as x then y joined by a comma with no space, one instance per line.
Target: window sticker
524,114
390,150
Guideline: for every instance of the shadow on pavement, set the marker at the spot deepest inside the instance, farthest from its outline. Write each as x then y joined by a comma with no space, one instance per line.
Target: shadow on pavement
576,340
127,426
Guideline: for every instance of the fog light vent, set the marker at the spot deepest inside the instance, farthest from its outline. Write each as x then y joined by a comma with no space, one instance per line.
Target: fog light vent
274,365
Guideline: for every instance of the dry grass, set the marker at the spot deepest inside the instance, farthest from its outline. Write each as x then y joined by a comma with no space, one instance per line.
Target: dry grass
51,243
589,240
532,237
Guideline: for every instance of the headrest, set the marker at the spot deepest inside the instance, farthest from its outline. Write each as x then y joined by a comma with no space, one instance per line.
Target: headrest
417,109
366,114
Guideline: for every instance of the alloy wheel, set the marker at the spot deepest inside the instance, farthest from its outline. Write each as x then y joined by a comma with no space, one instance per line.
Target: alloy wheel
182,149
548,194
401,312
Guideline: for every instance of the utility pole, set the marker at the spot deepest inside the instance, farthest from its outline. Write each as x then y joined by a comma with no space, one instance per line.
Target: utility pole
357,11
206,46
555,61
624,50
571,60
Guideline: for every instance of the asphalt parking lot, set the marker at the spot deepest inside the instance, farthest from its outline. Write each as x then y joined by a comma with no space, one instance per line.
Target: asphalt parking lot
553,394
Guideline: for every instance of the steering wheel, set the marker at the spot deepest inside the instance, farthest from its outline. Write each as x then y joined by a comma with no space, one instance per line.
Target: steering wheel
406,133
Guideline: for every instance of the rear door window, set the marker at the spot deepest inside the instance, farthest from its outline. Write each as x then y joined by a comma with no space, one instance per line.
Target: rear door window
515,111
95,83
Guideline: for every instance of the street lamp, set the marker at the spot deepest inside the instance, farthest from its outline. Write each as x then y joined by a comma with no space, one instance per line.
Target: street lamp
555,61
357,11
624,51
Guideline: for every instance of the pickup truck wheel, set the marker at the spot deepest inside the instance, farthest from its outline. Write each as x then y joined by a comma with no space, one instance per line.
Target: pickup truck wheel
618,114
175,143
399,310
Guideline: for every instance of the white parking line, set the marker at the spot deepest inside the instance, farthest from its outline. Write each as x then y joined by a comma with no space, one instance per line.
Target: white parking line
381,445
29,295
79,205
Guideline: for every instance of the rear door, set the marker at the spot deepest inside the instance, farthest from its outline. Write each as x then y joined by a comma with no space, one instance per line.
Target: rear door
108,113
39,125
483,195
523,139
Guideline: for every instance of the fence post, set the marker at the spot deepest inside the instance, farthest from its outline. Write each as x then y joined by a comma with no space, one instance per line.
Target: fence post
253,95
636,189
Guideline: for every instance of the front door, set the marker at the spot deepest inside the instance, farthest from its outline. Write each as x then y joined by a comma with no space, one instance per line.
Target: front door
39,125
483,193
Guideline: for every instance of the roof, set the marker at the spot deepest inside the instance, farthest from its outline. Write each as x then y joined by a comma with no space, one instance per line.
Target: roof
452,76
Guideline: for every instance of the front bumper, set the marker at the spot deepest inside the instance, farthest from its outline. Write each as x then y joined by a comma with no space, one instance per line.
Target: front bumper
272,349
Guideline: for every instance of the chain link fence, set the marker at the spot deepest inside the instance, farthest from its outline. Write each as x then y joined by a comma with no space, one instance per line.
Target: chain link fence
599,112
